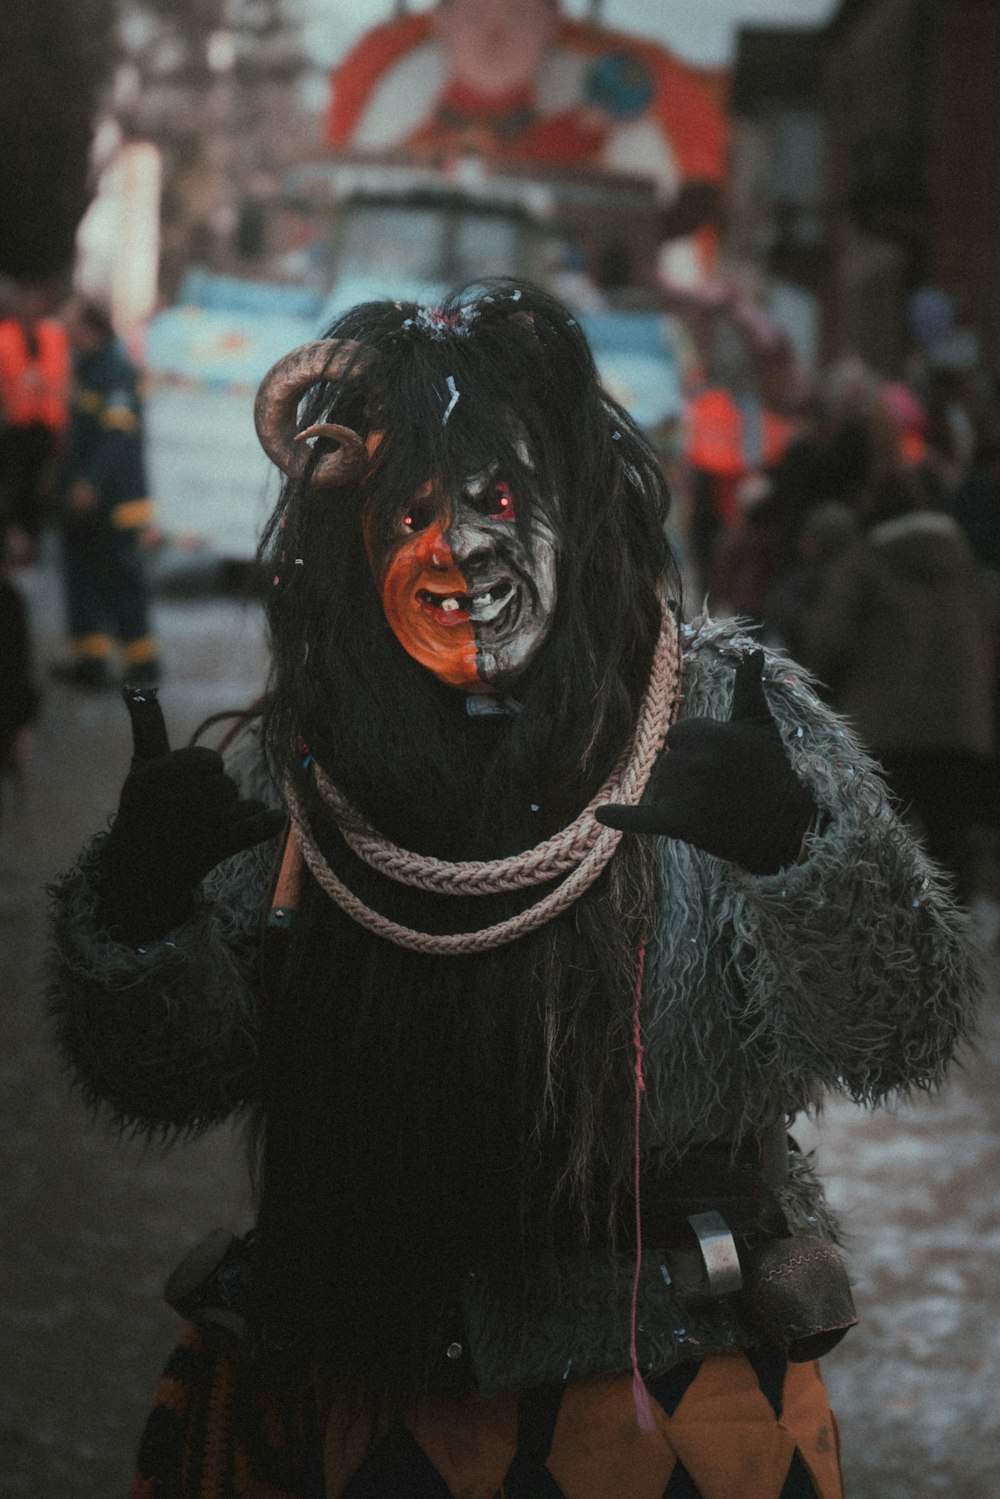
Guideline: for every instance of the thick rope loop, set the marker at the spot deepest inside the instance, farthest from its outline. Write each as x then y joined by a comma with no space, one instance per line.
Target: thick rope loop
453,944
546,860
580,851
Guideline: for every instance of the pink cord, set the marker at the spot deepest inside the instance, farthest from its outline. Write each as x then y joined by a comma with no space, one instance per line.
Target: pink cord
640,1394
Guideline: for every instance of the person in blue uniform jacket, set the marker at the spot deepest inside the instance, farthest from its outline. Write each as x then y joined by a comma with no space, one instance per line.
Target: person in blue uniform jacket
105,508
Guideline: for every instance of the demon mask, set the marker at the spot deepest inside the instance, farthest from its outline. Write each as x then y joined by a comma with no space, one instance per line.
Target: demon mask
468,593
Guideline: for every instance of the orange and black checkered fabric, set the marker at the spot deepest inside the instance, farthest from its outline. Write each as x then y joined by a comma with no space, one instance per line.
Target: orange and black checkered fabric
733,1427
214,1433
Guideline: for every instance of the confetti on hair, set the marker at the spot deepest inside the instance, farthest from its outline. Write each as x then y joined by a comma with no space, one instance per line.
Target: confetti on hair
441,324
450,382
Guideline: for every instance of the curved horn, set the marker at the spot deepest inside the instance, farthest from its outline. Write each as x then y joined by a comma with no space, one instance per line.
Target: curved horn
275,414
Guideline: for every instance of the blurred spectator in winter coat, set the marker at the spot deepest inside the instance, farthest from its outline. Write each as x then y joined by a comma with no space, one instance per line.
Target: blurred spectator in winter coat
716,464
903,637
901,425
901,429
975,499
845,442
951,424
826,533
830,457
745,557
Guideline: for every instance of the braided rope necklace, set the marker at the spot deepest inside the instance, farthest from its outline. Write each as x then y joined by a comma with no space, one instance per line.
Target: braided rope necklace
580,851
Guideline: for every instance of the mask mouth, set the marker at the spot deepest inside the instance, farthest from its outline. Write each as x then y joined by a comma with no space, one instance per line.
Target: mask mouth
485,604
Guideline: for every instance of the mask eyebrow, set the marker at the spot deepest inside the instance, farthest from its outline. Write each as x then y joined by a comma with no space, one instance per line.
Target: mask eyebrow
474,484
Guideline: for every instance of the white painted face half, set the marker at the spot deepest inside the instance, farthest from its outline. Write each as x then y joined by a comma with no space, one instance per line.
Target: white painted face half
510,579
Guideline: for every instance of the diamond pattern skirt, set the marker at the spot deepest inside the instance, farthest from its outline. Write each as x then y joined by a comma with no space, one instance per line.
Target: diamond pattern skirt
734,1426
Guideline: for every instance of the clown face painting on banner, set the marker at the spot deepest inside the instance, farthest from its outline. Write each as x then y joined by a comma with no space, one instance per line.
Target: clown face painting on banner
519,82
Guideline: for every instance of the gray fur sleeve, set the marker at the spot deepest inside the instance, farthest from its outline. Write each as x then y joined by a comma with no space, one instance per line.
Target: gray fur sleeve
857,955
850,971
164,1037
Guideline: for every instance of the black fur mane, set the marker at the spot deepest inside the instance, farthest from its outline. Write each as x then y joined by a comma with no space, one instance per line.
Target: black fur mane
425,1114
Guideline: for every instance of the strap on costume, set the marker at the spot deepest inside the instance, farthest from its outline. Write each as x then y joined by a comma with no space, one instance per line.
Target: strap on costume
287,888
713,1177
277,918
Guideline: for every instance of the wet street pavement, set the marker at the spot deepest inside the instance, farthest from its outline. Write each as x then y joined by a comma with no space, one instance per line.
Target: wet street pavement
91,1224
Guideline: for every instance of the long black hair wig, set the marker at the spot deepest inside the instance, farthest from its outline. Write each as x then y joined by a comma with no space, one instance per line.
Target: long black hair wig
423,1115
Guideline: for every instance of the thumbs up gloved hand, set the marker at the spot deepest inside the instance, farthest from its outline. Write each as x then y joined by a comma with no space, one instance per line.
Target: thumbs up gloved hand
179,816
726,786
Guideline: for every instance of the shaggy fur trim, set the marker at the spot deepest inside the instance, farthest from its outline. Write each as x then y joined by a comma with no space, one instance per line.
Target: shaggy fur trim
802,1201
164,1036
851,971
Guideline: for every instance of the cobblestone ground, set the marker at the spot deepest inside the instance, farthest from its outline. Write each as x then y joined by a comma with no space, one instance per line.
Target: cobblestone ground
91,1225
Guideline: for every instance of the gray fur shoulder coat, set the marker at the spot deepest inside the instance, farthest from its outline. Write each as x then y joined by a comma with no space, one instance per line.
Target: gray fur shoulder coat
850,972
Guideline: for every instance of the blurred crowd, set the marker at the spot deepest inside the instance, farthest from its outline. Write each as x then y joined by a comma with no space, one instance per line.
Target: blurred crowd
866,544
72,461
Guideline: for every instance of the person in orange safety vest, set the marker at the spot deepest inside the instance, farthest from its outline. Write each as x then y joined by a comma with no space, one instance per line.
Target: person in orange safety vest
35,372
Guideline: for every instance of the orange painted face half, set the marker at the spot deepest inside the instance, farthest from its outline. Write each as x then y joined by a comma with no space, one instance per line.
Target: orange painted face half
465,593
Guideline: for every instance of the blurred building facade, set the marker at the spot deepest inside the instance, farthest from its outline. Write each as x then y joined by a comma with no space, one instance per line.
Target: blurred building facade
865,167
776,220
214,86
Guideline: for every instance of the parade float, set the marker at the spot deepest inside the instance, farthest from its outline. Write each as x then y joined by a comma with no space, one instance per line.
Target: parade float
486,137
483,137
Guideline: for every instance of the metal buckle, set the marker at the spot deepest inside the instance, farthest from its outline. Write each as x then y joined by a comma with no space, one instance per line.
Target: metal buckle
718,1252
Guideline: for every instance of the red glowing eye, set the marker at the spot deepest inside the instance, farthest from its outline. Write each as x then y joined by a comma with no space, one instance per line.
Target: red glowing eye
504,501
418,518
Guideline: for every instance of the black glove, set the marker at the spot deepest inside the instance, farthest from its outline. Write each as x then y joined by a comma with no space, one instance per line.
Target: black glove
727,787
179,816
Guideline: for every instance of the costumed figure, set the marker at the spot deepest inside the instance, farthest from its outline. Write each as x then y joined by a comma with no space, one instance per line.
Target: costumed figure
106,507
520,924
